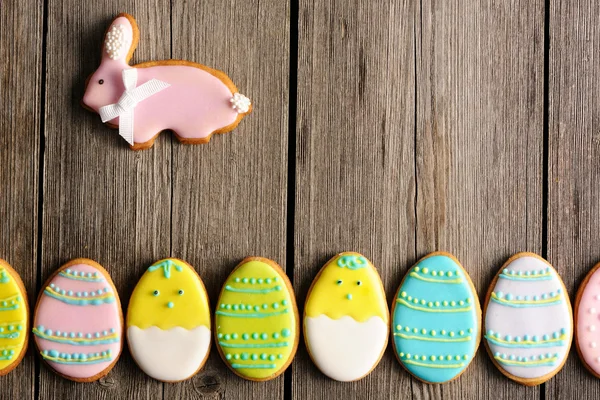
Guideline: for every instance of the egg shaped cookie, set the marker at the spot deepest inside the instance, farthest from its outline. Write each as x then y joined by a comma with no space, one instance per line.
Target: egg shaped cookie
78,323
14,319
436,319
528,320
256,320
346,318
168,321
587,321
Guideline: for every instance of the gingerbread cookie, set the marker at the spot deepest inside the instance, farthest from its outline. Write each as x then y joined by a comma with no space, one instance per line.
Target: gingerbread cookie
14,319
168,321
142,100
528,320
78,323
587,321
436,319
257,326
346,318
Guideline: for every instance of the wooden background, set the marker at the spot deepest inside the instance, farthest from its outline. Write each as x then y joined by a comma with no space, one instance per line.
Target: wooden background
389,128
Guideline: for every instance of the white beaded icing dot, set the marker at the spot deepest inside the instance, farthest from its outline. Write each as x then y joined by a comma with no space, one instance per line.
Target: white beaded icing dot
598,360
593,345
591,328
240,103
592,310
597,297
115,41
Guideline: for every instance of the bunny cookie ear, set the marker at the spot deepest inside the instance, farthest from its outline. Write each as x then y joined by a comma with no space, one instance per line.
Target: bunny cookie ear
120,40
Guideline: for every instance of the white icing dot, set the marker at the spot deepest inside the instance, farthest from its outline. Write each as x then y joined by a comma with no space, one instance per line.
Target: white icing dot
592,310
240,103
597,297
591,328
593,345
115,42
598,360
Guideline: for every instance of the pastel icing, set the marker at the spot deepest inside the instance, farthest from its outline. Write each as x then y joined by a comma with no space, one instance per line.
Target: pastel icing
257,320
528,319
588,321
346,319
14,318
168,321
198,101
77,324
436,319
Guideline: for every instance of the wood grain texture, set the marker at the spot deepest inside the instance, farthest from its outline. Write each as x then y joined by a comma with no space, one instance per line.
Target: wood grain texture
229,195
20,86
573,167
480,69
101,200
355,187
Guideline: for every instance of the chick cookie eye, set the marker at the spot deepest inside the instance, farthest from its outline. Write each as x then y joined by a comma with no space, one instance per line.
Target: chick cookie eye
101,81
180,292
358,283
339,282
155,293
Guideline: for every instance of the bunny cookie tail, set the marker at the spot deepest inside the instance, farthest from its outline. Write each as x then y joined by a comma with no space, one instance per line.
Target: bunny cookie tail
240,103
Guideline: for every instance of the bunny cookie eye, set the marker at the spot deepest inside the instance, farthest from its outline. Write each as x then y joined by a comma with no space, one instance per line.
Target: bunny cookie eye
101,81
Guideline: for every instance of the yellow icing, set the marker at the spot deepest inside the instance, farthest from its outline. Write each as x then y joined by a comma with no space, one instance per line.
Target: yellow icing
330,298
269,313
11,319
189,310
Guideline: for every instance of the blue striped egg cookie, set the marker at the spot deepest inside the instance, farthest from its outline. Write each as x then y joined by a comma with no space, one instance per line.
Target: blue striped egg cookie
436,319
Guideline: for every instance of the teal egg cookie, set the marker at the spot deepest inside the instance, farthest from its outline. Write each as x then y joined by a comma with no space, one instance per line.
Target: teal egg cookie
436,319
256,321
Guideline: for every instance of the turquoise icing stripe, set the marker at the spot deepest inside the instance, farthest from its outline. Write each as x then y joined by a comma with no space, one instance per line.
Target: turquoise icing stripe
251,315
82,301
13,335
451,322
76,358
253,291
253,345
528,345
526,278
253,366
68,340
514,304
81,277
4,277
9,308
513,361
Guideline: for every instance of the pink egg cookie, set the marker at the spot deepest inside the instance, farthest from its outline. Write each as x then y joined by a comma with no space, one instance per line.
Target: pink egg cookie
587,321
78,322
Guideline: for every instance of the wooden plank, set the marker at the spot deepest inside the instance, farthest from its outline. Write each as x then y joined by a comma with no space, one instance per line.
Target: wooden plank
20,85
573,167
355,187
479,148
229,195
101,200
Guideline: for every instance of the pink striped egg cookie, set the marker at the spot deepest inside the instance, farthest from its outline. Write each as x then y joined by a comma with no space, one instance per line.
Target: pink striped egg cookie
78,322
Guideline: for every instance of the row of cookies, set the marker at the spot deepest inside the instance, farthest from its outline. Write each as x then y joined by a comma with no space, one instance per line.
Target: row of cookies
435,320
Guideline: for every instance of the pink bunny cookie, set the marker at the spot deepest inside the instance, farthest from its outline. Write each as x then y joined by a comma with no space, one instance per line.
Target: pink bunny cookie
142,100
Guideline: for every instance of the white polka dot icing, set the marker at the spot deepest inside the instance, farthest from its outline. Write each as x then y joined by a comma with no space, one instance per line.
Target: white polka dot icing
528,328
587,321
116,42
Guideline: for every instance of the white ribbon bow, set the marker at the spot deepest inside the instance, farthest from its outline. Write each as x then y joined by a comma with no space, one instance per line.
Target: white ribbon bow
130,98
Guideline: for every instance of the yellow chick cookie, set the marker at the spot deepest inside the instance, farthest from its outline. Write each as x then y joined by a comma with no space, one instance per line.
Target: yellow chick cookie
346,319
168,321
